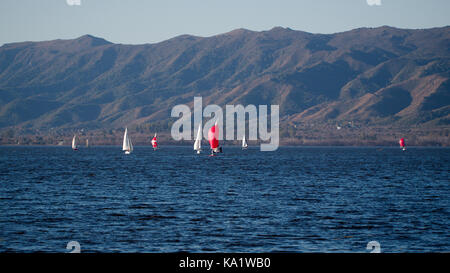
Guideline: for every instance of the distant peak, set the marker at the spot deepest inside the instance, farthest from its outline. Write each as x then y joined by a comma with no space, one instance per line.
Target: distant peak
278,28
239,31
387,27
92,40
184,37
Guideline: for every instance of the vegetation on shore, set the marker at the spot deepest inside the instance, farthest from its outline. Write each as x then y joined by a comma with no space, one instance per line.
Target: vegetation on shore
300,134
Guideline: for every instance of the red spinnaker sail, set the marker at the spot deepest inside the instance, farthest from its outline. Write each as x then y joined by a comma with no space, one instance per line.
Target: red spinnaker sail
213,136
401,142
154,142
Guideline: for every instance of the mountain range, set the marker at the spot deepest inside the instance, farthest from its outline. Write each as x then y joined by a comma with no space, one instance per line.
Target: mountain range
381,76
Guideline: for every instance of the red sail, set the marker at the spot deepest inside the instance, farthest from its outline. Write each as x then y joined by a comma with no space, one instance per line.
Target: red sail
154,143
402,142
213,136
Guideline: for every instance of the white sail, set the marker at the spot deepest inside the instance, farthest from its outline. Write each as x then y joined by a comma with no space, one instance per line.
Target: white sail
244,143
74,142
127,146
87,143
198,140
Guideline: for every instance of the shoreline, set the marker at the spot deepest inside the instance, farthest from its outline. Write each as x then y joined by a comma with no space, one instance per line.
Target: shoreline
226,146
303,136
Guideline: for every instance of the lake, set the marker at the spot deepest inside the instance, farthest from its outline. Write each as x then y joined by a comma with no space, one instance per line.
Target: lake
296,199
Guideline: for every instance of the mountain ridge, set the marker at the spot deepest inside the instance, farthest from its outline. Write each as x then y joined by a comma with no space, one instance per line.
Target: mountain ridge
374,76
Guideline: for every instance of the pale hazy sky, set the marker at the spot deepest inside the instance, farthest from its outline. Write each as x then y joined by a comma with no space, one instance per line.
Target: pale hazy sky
149,21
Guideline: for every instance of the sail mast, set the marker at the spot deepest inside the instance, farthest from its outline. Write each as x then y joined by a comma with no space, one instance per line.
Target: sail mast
74,142
130,144
126,142
198,140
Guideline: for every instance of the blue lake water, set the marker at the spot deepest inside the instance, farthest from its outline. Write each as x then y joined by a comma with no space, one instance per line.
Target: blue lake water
296,199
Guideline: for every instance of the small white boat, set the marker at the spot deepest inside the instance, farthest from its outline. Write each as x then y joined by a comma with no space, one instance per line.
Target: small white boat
87,143
244,143
74,143
127,145
198,140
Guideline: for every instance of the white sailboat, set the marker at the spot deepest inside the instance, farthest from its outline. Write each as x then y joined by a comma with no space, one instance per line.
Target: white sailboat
127,146
87,143
198,140
244,143
74,143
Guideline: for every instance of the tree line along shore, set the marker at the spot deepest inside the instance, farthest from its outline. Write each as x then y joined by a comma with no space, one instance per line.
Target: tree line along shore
289,136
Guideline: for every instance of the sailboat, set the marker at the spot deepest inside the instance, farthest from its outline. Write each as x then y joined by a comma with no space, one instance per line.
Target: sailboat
213,137
244,143
74,143
154,143
87,143
198,140
127,145
402,144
